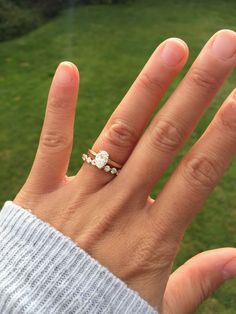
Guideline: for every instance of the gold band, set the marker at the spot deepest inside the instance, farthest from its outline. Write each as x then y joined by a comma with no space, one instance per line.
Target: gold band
110,162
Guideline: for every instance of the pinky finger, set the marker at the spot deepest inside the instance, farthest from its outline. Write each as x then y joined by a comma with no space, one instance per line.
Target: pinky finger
198,172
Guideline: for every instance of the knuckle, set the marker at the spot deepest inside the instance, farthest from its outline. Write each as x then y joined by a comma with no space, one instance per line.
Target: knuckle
121,134
201,172
151,258
196,275
151,83
166,137
203,79
143,254
54,141
156,250
206,288
57,104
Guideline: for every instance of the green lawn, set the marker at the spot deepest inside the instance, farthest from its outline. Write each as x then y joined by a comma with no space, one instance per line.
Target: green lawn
110,44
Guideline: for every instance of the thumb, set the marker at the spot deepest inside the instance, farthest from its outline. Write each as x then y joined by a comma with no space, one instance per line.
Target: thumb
195,280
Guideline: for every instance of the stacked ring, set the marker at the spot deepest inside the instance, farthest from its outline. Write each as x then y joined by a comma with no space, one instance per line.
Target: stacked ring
101,160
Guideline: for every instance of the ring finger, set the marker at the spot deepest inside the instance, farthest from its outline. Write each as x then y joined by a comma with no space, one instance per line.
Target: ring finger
126,124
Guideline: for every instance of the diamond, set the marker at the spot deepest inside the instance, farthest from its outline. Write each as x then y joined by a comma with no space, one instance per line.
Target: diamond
101,159
113,170
107,168
84,157
88,160
93,162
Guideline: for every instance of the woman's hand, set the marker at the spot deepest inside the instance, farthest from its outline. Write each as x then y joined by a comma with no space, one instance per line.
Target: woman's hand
112,217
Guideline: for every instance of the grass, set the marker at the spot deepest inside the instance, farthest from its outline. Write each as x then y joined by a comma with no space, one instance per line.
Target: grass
110,44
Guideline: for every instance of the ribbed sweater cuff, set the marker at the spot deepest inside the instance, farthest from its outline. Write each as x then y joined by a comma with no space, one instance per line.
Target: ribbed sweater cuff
43,271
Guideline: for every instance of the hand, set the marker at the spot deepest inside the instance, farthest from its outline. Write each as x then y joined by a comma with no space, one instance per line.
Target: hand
112,217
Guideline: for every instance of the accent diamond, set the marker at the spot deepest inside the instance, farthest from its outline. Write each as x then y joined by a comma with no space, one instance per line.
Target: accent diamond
84,157
101,159
113,170
107,168
88,160
93,162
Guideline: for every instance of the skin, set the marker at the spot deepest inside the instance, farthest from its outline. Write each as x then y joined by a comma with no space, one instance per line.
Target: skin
134,236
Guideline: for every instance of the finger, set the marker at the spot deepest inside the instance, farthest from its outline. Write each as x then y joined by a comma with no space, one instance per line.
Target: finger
174,123
198,173
128,121
198,278
55,144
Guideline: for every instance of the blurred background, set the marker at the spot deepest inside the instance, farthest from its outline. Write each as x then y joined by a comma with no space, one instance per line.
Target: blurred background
109,41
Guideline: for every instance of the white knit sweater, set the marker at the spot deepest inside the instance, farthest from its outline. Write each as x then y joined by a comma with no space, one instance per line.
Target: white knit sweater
43,271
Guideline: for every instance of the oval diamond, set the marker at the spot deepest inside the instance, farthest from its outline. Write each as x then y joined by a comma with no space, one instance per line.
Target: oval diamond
101,159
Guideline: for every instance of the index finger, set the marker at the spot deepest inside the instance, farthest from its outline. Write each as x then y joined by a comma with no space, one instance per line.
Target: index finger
56,140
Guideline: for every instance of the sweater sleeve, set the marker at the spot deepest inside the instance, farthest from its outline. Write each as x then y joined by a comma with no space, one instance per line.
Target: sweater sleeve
43,271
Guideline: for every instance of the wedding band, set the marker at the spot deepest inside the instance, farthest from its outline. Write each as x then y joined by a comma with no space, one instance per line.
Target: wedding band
102,161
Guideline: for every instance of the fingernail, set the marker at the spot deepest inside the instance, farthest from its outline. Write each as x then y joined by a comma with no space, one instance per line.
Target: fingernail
229,269
65,73
224,45
173,52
